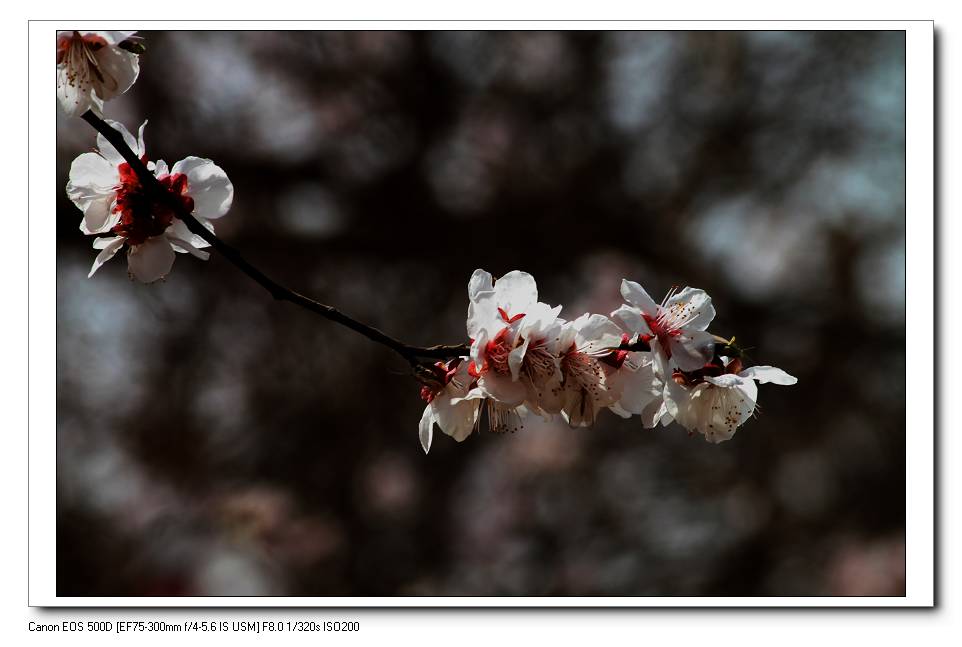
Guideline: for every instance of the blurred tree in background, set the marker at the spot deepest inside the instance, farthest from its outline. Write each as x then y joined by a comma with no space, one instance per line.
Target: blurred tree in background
212,442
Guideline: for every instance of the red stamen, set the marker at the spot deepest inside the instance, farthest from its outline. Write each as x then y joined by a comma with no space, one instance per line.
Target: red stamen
506,318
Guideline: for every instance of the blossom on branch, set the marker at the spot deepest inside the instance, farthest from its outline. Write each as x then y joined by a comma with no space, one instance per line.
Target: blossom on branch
93,67
633,375
656,361
513,337
113,200
675,328
445,385
587,344
720,398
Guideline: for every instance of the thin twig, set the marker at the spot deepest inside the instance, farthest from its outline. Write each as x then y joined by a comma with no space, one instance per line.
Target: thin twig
411,353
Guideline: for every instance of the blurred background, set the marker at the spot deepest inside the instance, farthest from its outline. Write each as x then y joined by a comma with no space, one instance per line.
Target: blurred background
213,442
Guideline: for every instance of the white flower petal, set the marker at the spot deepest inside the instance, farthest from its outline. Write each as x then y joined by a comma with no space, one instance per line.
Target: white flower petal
634,294
426,428
74,98
112,37
91,175
719,411
105,241
677,401
474,395
98,215
184,247
158,168
456,420
580,408
119,70
150,261
659,360
766,374
480,281
516,358
618,411
502,388
483,315
727,380
691,350
109,247
141,149
107,149
655,412
515,292
539,322
477,347
546,399
91,188
698,304
567,335
179,229
638,388
207,184
631,320
596,332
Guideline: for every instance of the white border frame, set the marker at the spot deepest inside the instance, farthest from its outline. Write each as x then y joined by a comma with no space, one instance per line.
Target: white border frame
920,483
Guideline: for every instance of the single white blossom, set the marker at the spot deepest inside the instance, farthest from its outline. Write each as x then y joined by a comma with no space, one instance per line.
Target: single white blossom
675,328
112,199
513,339
633,375
716,405
444,391
92,68
585,345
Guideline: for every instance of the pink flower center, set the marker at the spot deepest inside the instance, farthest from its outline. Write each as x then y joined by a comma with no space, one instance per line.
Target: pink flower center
661,331
494,357
141,216
496,351
661,328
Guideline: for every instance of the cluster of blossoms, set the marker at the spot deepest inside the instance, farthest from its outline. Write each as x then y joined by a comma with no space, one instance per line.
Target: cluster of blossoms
653,360
91,68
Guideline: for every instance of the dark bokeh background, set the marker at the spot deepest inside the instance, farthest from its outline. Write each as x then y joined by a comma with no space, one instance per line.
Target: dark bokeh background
211,441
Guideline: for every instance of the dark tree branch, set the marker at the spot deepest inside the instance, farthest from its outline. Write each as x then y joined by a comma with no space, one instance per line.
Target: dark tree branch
412,354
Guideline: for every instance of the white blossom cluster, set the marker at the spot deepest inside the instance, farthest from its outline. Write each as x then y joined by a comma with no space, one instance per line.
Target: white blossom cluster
653,360
93,67
525,359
